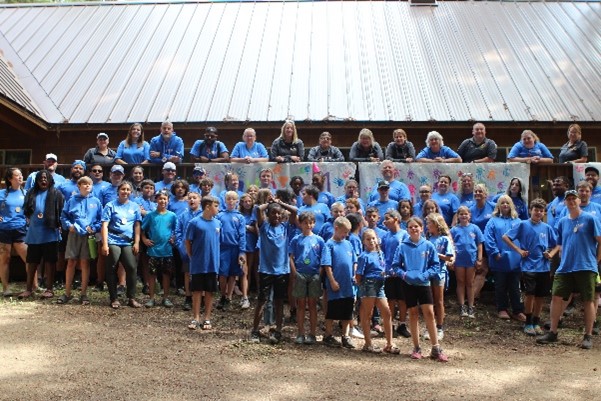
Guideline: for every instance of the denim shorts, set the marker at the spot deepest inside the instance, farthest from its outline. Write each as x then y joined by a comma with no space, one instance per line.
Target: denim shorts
372,288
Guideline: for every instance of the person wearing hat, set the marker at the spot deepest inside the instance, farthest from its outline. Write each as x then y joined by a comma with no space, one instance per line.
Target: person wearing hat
101,153
209,150
584,190
197,175
69,187
398,190
579,237
249,150
591,174
383,203
50,163
169,175
167,146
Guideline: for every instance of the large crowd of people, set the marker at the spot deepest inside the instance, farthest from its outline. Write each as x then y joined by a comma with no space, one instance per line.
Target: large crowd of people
371,260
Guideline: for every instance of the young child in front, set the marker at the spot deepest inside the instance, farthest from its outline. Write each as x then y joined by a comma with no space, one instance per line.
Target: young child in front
202,247
468,240
158,230
536,239
81,216
183,220
274,263
147,205
439,235
339,263
305,266
245,207
371,270
232,261
416,262
372,218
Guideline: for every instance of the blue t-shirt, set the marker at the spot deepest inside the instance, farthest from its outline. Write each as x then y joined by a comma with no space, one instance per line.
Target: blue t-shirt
180,232
467,200
38,232
233,229
306,252
341,258
177,206
448,204
390,242
416,262
133,154
147,204
383,207
494,244
98,187
356,243
161,185
11,209
578,240
321,212
251,237
326,198
68,188
256,151
273,249
327,230
445,152
121,218
519,150
592,208
443,246
466,240
174,147
160,229
204,235
554,210
31,180
81,212
481,216
398,191
342,199
536,239
211,152
371,265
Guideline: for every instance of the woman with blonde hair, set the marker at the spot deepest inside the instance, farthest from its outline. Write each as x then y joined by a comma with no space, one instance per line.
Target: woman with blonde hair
287,148
530,150
366,149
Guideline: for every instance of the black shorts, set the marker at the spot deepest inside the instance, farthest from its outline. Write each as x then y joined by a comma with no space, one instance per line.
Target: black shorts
203,282
62,246
340,309
393,288
417,295
537,284
13,236
160,265
277,282
47,251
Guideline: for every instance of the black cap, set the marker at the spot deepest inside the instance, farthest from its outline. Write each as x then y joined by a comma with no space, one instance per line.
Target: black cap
590,168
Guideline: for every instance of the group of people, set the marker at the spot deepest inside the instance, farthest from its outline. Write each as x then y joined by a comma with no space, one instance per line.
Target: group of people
368,262
289,148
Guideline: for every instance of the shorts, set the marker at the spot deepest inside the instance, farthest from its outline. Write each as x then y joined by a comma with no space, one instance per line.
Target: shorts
13,236
372,288
438,282
417,295
537,284
159,265
340,309
393,287
582,282
47,251
62,245
77,246
186,267
203,282
307,285
229,265
277,282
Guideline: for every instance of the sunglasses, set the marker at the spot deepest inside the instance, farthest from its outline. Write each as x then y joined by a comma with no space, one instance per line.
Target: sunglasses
96,171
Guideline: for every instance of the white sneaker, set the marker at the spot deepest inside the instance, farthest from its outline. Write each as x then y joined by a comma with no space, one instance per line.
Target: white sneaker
440,334
426,334
245,303
356,333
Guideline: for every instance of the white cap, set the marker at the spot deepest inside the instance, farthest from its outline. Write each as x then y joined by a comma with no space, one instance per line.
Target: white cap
169,166
51,156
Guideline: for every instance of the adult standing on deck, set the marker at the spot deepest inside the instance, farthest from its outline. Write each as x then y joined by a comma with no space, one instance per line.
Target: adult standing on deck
478,148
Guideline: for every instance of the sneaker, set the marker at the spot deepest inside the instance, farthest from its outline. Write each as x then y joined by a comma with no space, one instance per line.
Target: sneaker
167,303
150,303
401,329
222,303
538,330
120,290
596,329
438,355
245,303
416,353
347,342
275,337
463,311
181,292
330,341
529,329
310,339
440,334
146,289
471,313
569,311
255,337
426,334
356,333
300,339
548,338
187,306
587,342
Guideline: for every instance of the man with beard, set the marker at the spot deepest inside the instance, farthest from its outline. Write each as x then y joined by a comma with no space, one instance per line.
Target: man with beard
167,146
398,189
592,176
210,150
559,187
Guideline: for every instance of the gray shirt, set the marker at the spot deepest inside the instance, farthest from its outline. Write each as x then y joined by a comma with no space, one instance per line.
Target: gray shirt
470,151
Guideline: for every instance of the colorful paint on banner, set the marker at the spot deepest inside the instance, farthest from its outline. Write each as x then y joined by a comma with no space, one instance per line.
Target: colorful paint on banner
578,171
495,176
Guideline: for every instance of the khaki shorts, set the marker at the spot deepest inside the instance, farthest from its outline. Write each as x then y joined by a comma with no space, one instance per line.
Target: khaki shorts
582,282
77,246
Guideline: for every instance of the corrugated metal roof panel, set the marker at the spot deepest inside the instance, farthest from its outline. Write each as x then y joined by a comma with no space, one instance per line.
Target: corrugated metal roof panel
11,88
267,61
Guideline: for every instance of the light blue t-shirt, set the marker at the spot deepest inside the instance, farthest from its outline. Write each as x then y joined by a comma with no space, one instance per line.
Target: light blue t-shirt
256,151
306,251
519,150
273,249
121,218
11,209
371,265
133,154
38,232
211,152
321,212
204,235
448,204
578,240
341,258
160,229
536,239
466,240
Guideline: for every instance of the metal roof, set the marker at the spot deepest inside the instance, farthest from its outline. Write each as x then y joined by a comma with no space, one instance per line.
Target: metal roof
11,87
267,61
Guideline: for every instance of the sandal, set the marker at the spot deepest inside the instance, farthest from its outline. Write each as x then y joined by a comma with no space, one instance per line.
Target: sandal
374,349
115,304
64,299
84,300
47,294
391,349
133,303
194,325
25,294
206,325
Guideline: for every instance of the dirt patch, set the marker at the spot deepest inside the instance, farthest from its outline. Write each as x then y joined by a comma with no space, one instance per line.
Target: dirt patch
72,352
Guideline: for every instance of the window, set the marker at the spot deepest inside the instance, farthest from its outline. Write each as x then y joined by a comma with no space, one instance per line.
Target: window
11,157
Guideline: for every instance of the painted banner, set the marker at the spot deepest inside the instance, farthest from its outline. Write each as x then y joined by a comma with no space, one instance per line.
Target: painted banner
578,171
495,176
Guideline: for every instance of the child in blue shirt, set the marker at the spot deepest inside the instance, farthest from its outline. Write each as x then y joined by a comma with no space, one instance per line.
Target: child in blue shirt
147,205
158,230
81,217
321,211
468,240
183,220
384,203
339,263
232,261
416,262
247,203
372,218
305,266
327,230
274,263
202,247
536,239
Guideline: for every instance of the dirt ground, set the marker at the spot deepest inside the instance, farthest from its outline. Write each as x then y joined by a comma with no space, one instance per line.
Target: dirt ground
73,352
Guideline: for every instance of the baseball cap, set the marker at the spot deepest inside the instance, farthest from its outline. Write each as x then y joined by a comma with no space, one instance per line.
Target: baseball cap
590,168
199,171
102,135
117,169
571,192
383,184
169,166
80,162
51,156
211,130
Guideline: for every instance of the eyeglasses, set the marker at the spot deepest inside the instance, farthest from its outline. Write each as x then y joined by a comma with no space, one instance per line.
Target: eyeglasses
96,171
424,192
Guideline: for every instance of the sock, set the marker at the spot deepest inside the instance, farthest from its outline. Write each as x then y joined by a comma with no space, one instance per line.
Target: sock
535,320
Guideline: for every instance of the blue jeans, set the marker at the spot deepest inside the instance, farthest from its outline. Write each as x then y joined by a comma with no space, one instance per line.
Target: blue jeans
507,291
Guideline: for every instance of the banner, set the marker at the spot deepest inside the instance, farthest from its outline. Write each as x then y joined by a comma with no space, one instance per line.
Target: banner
495,176
578,171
